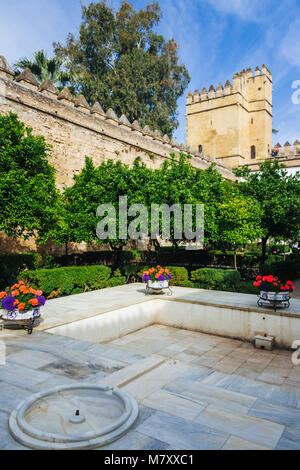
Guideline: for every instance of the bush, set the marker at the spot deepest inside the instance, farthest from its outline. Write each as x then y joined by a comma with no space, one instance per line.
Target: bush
180,276
244,287
58,282
219,279
11,265
284,270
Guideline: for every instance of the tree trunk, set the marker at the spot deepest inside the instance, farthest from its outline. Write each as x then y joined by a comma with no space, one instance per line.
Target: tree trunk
235,263
119,250
263,249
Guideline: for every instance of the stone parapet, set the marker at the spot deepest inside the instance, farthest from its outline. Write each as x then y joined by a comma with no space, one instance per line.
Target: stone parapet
75,130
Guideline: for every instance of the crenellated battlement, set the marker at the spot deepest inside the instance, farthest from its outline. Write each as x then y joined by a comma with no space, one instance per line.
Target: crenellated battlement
288,150
287,154
233,121
75,129
240,84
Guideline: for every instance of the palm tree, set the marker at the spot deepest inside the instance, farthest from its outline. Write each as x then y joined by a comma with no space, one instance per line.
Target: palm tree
44,68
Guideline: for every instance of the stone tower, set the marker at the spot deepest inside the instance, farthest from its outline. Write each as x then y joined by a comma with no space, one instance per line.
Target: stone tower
234,123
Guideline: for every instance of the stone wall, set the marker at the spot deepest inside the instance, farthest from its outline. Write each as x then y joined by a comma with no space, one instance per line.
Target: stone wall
75,130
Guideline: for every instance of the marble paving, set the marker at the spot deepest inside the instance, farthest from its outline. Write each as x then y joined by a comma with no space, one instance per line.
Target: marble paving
195,391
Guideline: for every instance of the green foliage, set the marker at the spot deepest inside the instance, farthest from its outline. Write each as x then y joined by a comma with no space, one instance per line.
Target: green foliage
122,63
11,265
218,279
95,186
278,196
58,282
180,276
238,218
44,68
28,197
284,270
244,287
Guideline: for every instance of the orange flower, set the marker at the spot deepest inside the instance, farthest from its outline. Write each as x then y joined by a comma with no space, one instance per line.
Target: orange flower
15,293
167,271
22,289
3,294
15,286
16,302
157,275
21,282
21,306
33,302
32,291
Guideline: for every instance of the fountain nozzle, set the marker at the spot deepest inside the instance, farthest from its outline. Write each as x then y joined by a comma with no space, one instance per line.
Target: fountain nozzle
77,418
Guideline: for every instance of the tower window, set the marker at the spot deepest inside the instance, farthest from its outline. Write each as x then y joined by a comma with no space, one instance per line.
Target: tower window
200,148
253,152
251,120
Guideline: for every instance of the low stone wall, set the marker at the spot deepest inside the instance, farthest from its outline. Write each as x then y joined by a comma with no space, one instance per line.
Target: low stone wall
227,321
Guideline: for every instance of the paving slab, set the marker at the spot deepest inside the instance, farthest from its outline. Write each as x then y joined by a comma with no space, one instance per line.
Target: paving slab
181,433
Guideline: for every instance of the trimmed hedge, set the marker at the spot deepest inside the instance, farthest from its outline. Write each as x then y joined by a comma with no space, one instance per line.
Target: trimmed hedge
12,265
58,282
180,276
219,279
284,270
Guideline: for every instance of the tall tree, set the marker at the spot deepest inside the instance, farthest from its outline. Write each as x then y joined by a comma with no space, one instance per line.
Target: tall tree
122,63
278,195
44,68
29,201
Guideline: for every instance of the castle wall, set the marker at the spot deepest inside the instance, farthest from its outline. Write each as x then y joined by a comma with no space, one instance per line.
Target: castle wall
74,132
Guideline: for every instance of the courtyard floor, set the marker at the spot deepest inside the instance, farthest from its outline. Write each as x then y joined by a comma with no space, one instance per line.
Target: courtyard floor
194,390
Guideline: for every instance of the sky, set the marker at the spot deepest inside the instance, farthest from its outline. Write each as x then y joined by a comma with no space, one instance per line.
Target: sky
216,37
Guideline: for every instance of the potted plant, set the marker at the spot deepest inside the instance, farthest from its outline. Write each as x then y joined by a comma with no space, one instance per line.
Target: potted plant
272,289
157,278
20,304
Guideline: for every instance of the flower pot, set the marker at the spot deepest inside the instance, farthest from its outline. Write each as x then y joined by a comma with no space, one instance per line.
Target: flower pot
24,320
273,296
16,315
157,286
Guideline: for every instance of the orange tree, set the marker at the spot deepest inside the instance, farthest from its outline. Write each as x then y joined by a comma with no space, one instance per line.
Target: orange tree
28,196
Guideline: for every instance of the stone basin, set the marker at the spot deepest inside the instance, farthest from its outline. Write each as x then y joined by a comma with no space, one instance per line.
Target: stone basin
79,416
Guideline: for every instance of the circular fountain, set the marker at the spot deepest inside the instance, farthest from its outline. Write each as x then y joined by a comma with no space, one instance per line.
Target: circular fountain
80,416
